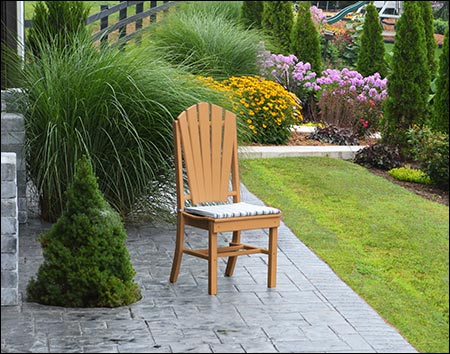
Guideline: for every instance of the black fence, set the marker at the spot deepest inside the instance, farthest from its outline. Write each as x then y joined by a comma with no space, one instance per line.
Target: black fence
127,16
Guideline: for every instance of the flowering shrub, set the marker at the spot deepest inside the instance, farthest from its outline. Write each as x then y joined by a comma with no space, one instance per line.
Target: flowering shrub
267,109
347,99
293,75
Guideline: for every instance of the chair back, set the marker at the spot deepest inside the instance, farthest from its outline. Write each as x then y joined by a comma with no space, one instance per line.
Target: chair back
206,145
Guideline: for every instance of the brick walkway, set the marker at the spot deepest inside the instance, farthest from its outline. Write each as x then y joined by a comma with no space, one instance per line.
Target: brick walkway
310,310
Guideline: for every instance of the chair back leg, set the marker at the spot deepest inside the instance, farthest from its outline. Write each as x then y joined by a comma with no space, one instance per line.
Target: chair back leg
272,271
231,263
179,246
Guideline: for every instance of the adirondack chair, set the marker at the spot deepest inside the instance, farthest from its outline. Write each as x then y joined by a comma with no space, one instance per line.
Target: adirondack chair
205,140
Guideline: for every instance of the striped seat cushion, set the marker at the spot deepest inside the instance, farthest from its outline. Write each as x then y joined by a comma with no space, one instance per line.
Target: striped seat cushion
231,210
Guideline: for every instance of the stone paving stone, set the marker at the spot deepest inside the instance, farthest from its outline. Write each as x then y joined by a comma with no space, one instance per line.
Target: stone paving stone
310,310
227,348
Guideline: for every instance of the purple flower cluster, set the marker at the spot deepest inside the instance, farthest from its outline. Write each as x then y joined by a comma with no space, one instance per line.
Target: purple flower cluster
293,75
318,17
345,80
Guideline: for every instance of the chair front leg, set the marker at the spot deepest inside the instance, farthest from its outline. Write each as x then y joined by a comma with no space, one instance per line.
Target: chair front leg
179,246
272,271
212,263
232,260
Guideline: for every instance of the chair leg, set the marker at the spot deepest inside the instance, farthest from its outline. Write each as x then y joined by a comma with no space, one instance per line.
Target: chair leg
272,271
212,263
179,245
232,260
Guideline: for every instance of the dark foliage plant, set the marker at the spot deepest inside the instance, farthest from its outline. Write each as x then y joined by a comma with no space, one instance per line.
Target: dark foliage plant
305,40
380,156
86,263
334,135
371,53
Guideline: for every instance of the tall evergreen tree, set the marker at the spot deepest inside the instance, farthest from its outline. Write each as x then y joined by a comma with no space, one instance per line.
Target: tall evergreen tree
371,53
428,22
277,20
305,41
409,83
251,13
440,107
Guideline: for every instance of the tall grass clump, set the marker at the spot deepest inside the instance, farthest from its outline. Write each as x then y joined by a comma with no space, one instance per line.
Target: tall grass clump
230,10
207,43
116,107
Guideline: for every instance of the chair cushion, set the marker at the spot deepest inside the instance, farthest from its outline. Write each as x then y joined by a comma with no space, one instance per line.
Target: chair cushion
231,210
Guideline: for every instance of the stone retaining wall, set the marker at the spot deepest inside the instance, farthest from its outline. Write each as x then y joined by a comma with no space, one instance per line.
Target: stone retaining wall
13,138
10,231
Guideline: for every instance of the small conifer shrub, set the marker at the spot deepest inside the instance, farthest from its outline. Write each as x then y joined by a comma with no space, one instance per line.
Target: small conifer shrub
86,263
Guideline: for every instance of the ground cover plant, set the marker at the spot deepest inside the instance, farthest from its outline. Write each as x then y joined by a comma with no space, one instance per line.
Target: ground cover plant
388,244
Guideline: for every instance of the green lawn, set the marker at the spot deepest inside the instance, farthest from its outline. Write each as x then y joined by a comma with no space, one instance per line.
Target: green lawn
388,244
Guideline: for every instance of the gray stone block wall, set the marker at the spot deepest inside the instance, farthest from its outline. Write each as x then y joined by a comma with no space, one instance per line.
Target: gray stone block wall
13,138
9,231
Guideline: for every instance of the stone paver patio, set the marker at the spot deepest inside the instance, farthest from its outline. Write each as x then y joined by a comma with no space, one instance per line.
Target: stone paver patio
310,310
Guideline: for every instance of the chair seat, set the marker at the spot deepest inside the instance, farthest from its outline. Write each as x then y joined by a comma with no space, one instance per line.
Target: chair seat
231,210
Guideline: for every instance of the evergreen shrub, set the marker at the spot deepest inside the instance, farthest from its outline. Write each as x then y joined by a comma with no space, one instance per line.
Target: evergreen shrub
440,118
86,263
409,83
251,13
277,21
431,150
305,41
371,53
56,23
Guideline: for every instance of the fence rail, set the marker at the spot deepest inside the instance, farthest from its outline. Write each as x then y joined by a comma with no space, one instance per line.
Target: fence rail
124,19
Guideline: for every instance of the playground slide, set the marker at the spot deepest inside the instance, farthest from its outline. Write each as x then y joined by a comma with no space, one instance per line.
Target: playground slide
341,14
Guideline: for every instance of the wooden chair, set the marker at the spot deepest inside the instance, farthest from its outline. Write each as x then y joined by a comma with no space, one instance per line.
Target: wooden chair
206,147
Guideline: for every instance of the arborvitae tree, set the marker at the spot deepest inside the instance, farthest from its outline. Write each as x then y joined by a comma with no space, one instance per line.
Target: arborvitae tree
86,262
428,21
440,106
305,41
251,13
409,83
277,20
56,23
371,53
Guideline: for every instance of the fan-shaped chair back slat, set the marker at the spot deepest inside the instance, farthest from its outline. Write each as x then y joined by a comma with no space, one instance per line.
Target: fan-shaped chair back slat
207,134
